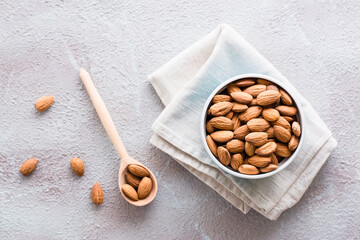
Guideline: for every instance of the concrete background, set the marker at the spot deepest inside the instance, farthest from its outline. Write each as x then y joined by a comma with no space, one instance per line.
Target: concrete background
314,43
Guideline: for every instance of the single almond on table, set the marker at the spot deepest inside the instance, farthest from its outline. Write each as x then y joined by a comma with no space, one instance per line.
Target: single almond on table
236,161
267,97
222,123
269,168
281,121
212,145
282,134
257,138
222,136
296,129
238,107
138,171
224,155
132,180
294,142
130,192
274,159
28,166
236,121
255,90
97,194
250,113
241,97
259,161
209,127
272,87
248,169
232,88
221,108
282,150
266,149
229,115
245,82
144,188
249,149
235,146
270,114
241,132
270,132
221,98
77,166
285,98
286,110
258,125
44,103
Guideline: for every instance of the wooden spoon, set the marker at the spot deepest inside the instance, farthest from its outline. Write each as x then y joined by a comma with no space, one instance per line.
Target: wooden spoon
115,138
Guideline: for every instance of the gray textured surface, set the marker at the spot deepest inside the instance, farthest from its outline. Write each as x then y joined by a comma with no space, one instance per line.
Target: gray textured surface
316,45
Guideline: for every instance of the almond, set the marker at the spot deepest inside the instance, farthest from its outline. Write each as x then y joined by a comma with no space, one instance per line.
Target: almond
222,123
282,150
248,169
289,119
209,127
294,142
236,121
241,132
257,138
249,149
267,97
255,90
138,170
235,146
274,159
97,194
245,82
270,132
28,166
250,113
285,98
222,136
44,103
236,161
246,160
132,180
259,161
253,102
272,87
144,188
221,108
212,145
258,125
296,129
281,121
77,166
224,155
282,134
270,114
233,88
241,97
238,107
263,81
268,168
130,192
230,114
266,149
286,110
221,98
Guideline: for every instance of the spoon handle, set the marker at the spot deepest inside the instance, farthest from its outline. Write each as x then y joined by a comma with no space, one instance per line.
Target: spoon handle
103,113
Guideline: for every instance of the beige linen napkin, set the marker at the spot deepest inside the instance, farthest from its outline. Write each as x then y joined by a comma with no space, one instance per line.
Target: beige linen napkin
184,84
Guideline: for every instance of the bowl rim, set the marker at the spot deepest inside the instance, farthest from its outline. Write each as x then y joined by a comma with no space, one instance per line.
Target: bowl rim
286,162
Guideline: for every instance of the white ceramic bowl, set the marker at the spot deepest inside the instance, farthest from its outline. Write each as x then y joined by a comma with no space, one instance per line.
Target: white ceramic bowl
285,162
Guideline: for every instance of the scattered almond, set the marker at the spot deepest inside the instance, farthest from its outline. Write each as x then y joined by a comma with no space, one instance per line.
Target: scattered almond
77,166
44,103
28,166
97,194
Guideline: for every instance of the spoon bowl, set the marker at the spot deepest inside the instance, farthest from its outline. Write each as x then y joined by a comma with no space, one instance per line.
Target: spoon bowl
109,126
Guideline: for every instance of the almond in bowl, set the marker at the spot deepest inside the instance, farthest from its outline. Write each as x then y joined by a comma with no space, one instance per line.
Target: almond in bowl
252,126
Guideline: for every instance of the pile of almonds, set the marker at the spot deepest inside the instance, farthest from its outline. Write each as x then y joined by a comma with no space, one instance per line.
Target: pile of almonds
139,183
252,126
